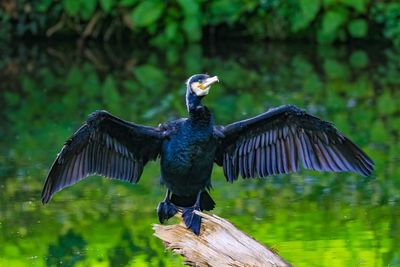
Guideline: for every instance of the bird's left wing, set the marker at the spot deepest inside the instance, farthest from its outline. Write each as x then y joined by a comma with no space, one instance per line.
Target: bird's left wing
104,145
277,140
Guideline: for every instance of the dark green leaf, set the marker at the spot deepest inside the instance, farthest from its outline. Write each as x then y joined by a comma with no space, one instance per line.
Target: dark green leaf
127,3
359,59
309,9
43,5
171,30
147,12
106,5
225,10
87,8
190,8
358,28
358,5
71,7
192,27
331,23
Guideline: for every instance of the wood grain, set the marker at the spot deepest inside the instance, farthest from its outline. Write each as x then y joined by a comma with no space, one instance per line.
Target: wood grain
220,243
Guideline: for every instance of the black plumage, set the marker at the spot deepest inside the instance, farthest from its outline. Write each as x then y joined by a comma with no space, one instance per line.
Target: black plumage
272,143
107,146
276,141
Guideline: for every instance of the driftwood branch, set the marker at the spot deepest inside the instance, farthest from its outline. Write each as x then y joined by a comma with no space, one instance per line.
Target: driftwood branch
220,243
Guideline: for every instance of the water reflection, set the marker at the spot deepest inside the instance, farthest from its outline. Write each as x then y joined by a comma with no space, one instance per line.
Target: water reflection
312,219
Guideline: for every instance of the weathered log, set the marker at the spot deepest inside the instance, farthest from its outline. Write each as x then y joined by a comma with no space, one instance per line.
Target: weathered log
220,243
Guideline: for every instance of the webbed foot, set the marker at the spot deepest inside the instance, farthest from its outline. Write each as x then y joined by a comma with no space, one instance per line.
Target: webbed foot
166,210
191,219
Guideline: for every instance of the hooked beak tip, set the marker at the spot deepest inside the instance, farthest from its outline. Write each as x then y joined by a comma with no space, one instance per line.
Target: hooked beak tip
210,81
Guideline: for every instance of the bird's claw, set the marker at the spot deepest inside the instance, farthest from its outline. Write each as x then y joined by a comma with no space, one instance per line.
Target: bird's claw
166,210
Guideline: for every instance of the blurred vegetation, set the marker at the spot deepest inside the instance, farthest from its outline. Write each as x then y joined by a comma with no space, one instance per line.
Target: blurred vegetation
162,22
312,219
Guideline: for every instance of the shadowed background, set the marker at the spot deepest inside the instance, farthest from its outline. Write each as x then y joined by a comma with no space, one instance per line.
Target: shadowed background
312,219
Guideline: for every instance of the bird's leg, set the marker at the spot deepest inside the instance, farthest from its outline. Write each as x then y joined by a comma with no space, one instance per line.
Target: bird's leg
191,219
166,209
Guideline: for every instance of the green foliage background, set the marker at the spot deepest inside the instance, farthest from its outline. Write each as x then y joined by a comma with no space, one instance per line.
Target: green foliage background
161,22
311,219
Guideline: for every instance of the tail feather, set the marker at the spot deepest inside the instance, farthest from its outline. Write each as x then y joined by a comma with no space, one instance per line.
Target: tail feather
206,203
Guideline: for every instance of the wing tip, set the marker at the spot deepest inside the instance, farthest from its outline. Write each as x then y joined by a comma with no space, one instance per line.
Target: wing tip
45,198
368,169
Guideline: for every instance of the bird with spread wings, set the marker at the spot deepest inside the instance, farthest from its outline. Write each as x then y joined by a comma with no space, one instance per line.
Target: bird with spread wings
276,142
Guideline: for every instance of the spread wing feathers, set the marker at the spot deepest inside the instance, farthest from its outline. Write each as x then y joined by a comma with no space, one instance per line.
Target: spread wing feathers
105,145
276,141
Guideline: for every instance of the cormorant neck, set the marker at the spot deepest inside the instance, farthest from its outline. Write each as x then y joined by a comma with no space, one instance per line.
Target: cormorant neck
197,111
193,102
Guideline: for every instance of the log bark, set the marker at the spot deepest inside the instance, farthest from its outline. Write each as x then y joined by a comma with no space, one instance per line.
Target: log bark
220,243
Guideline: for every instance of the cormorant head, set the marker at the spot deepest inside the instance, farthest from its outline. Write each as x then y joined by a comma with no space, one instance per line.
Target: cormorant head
197,87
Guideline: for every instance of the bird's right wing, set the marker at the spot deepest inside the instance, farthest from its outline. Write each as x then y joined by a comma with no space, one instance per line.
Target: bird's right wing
105,145
278,140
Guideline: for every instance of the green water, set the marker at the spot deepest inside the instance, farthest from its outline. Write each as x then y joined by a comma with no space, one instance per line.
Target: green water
310,218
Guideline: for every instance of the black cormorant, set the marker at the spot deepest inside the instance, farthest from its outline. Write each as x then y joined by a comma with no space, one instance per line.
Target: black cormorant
271,143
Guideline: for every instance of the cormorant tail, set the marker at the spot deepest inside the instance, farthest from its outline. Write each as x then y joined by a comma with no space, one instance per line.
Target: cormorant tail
206,202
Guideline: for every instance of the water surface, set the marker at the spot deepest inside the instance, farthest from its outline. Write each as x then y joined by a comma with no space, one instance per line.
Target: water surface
310,218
